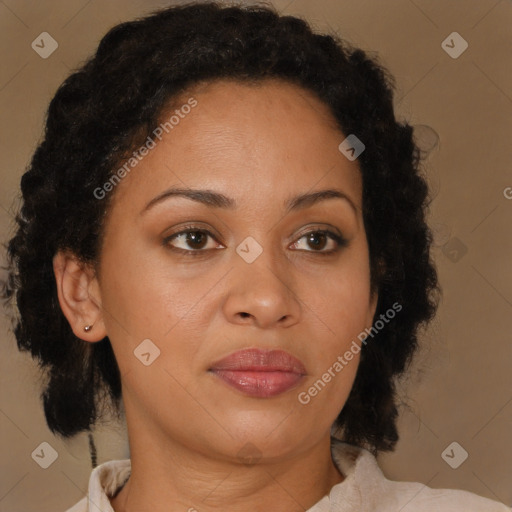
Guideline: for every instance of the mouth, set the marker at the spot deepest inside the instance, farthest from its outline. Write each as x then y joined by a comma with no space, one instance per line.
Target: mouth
260,373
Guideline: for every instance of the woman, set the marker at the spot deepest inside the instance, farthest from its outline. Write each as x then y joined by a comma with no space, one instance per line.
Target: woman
225,226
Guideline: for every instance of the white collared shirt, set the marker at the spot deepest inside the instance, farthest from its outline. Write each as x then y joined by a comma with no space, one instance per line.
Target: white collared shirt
364,489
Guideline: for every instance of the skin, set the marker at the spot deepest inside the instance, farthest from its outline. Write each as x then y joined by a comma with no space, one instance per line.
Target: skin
259,145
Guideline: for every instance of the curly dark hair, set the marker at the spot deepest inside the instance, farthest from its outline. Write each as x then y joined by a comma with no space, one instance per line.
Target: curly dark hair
108,107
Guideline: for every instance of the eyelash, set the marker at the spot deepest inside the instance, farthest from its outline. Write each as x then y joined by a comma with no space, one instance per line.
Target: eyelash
340,241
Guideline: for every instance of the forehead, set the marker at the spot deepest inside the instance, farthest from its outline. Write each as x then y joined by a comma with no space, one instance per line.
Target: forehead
269,138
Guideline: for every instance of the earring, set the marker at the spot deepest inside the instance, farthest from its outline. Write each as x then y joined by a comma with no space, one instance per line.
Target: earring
87,328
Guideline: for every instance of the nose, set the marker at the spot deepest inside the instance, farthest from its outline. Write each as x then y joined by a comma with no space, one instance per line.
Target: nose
261,293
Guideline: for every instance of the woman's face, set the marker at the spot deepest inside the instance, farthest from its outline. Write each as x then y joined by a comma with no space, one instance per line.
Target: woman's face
252,277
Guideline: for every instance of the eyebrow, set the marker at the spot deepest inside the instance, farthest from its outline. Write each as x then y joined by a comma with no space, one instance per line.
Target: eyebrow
218,200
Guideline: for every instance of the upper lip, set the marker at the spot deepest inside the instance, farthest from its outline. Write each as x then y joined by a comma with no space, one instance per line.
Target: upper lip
255,359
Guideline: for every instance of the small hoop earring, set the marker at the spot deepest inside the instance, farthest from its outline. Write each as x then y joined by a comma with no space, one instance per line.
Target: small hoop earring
87,328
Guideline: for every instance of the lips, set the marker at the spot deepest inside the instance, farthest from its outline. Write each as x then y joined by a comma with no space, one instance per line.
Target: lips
260,373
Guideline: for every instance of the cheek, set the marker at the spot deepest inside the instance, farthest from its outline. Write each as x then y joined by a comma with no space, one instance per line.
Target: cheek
136,291
343,302
350,308
143,298
343,306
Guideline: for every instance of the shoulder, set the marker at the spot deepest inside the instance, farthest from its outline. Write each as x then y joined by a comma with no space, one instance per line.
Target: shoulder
369,489
417,497
104,481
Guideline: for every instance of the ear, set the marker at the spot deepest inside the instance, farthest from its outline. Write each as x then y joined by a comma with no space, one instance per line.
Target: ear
79,296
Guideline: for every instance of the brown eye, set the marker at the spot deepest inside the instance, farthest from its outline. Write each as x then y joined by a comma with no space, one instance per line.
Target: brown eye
319,239
190,241
196,239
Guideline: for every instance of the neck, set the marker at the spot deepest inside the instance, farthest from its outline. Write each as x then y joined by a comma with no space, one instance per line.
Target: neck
167,475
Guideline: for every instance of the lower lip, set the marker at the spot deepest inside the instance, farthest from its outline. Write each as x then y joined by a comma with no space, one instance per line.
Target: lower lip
260,384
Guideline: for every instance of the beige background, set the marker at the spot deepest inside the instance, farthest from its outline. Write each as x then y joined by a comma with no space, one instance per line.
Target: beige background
461,386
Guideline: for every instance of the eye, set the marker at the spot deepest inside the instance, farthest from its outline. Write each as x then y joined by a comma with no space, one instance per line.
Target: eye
319,239
191,239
